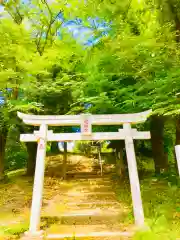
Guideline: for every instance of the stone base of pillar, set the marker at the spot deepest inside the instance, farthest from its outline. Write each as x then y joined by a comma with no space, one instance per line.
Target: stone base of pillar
33,236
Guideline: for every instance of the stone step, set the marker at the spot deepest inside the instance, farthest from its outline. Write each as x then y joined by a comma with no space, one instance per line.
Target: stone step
109,211
69,229
90,216
84,197
92,235
95,188
84,210
92,207
103,231
87,175
92,212
89,183
88,197
103,179
87,193
90,204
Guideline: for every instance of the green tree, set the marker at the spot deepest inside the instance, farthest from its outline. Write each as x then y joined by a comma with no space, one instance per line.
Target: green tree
14,52
53,61
135,68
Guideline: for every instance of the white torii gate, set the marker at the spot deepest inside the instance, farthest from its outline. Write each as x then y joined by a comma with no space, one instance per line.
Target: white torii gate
85,121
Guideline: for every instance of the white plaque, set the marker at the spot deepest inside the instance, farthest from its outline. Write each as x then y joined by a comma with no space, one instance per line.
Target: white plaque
86,126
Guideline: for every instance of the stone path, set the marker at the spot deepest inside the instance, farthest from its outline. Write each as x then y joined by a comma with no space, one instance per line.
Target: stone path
88,210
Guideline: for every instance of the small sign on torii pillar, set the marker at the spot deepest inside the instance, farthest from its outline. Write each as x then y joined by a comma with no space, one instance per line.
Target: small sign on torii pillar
85,121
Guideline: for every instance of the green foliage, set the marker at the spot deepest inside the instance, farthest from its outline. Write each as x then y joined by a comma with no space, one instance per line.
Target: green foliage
138,60
132,68
84,147
161,208
14,50
15,231
16,154
16,157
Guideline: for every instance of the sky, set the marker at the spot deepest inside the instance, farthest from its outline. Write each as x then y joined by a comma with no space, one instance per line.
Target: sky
82,34
1,9
70,146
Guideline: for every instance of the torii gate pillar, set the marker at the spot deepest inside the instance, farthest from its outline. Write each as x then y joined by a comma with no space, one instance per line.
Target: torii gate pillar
34,227
38,181
133,176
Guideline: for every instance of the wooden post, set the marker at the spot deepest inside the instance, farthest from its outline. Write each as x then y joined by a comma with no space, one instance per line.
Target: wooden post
100,159
38,182
64,165
133,175
177,151
120,167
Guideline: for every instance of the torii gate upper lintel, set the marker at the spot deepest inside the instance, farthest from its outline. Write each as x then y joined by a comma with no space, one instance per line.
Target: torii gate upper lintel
85,121
98,119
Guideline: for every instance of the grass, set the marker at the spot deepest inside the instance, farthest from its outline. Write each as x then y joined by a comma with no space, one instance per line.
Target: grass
161,202
13,231
16,194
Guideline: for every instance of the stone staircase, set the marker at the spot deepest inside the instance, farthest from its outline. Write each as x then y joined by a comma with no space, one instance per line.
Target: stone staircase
89,211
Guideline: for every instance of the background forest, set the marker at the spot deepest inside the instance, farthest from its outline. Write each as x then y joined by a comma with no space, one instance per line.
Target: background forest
98,56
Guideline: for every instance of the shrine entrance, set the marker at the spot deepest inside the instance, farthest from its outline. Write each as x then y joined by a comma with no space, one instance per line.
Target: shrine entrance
85,121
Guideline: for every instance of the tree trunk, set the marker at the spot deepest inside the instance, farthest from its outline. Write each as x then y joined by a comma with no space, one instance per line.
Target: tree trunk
178,131
31,150
31,161
175,15
64,166
3,138
157,134
54,148
100,159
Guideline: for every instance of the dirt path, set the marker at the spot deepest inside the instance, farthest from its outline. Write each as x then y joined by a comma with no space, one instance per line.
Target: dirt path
85,206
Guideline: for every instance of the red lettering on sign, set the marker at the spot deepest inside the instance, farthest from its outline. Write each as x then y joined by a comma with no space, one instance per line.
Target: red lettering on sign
86,125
